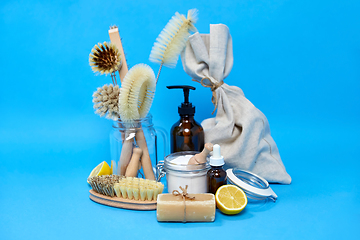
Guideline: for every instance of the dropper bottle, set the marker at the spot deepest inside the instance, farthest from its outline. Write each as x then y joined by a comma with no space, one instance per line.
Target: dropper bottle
186,134
216,176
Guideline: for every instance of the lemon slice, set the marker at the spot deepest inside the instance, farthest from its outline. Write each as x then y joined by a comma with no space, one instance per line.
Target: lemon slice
230,199
101,169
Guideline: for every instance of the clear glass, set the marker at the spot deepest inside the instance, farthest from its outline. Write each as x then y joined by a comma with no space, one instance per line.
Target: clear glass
134,148
254,181
182,174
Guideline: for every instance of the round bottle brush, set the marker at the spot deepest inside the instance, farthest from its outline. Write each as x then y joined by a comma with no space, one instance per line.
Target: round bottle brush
136,93
172,39
135,99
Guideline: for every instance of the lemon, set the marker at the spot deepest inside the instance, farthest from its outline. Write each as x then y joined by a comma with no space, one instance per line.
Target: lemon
230,199
101,169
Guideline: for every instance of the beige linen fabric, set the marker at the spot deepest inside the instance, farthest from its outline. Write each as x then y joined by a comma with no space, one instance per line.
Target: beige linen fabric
240,128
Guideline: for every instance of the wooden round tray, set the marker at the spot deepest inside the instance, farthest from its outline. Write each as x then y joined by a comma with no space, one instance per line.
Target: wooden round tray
122,202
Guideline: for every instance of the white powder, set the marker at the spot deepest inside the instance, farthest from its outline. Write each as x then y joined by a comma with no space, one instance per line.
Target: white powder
181,176
183,160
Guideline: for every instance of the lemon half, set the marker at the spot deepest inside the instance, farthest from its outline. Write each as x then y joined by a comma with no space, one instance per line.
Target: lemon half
230,199
101,169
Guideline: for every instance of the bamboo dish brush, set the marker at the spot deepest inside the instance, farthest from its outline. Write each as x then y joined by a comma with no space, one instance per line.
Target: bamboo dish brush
127,148
172,39
135,99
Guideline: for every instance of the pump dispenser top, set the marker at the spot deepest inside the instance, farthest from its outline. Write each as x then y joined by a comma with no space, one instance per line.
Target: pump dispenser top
186,107
186,134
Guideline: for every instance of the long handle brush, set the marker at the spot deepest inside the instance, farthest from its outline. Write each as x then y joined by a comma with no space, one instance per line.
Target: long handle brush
172,39
128,142
136,96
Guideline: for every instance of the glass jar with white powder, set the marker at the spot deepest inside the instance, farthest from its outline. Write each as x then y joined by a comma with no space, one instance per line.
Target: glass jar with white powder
179,173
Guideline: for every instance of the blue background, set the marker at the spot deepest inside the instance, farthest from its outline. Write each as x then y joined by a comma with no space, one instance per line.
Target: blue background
297,61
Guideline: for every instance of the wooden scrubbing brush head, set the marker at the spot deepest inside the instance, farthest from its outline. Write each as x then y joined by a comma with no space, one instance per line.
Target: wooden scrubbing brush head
172,39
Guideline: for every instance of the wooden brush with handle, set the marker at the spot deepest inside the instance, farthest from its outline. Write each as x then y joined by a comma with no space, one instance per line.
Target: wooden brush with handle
128,142
127,165
138,87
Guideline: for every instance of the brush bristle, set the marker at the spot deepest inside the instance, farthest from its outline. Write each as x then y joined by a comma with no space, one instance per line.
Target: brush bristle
137,93
126,187
105,58
172,39
104,184
105,101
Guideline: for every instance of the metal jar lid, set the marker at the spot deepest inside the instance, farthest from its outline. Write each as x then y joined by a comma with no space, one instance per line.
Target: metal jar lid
254,186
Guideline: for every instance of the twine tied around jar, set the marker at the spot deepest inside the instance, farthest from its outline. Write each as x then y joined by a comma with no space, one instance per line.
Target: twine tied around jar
213,87
184,196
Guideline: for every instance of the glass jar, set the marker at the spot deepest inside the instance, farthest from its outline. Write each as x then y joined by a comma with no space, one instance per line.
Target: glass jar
179,173
134,148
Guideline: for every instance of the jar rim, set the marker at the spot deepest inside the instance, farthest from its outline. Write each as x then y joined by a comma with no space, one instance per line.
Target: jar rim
169,165
137,122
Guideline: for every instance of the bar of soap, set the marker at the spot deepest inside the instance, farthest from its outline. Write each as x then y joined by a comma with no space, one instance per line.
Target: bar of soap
170,208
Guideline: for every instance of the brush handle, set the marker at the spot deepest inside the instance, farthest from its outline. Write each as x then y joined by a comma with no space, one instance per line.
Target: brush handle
116,40
158,75
145,159
125,156
133,167
201,157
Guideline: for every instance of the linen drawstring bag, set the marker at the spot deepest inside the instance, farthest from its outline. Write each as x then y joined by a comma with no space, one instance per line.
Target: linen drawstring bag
240,128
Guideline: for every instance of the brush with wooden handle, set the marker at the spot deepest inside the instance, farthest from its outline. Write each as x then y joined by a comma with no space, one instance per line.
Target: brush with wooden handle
138,86
128,143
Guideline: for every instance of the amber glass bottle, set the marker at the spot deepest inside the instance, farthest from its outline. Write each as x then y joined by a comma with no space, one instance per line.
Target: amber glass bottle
186,134
216,176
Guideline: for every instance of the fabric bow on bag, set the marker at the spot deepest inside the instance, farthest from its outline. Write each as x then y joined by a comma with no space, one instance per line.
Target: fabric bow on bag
240,128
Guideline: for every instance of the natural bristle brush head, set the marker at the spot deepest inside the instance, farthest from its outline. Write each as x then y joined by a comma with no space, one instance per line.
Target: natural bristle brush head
138,189
126,187
106,101
105,58
172,39
104,184
137,93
